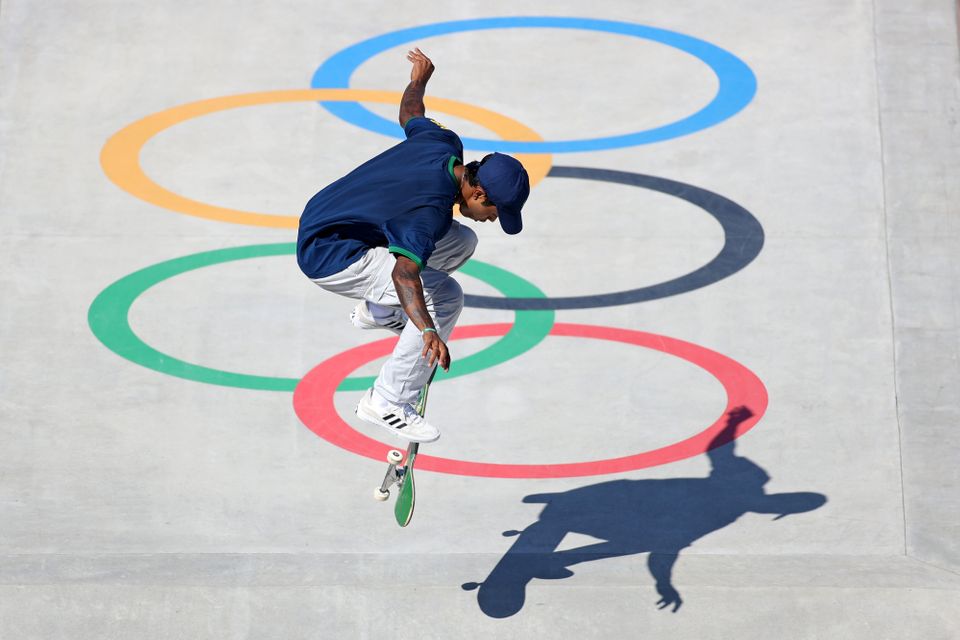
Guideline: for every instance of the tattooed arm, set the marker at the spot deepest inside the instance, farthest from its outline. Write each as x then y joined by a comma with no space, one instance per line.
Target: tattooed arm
411,105
406,278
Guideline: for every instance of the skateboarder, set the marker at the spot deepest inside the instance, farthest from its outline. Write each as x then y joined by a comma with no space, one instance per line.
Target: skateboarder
384,234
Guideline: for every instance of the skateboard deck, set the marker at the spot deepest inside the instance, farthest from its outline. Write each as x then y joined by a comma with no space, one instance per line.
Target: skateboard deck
400,471
406,501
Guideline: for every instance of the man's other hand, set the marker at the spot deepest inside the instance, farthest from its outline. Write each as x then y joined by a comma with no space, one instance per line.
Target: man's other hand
435,350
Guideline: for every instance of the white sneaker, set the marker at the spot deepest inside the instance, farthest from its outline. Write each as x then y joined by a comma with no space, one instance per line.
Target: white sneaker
361,317
401,420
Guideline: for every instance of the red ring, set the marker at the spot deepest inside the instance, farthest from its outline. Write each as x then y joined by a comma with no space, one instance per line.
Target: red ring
313,402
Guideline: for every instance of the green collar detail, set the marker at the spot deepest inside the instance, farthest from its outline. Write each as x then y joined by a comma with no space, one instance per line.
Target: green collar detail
454,160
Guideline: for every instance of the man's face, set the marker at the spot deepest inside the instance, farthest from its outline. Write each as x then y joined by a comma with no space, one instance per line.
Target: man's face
473,207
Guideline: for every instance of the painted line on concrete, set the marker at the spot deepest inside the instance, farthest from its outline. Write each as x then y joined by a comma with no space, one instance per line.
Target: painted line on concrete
120,156
109,321
737,83
743,239
313,403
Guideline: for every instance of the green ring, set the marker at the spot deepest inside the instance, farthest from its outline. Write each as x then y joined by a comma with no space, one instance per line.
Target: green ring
109,320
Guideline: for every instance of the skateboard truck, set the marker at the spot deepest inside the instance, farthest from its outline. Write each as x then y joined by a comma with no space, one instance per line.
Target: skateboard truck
395,472
402,476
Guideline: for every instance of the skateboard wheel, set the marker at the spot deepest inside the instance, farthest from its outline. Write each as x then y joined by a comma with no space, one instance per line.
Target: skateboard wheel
394,457
380,496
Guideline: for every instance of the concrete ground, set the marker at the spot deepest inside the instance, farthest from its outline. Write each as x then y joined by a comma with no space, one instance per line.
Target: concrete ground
791,253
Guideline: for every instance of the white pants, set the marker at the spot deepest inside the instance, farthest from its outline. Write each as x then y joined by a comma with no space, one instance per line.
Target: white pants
371,278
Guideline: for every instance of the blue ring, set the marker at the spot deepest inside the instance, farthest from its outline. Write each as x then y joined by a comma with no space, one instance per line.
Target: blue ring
737,82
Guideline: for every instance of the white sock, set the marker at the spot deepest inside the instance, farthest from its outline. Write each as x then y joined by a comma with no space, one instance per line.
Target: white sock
380,402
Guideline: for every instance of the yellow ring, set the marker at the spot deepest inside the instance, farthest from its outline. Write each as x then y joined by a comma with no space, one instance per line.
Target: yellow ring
120,157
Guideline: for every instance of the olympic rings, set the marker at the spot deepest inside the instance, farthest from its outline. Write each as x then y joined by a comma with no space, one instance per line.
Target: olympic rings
743,240
313,402
120,157
737,82
108,319
534,313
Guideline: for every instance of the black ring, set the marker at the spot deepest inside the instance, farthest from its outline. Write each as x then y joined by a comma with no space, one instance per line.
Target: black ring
743,241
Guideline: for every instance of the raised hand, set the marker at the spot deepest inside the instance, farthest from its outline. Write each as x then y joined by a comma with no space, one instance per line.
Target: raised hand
411,104
422,67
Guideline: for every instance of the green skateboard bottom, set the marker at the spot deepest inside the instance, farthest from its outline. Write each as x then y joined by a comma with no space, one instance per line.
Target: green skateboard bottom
406,500
403,509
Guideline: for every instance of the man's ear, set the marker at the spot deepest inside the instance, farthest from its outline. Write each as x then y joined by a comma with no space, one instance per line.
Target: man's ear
479,194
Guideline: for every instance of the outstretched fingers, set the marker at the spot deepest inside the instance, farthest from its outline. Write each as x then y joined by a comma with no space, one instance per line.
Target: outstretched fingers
422,65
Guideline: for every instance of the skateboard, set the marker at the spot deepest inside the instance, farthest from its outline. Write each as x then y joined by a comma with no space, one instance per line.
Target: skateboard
400,470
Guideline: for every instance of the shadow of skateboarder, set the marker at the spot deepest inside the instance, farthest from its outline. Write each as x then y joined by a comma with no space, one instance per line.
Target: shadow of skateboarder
659,517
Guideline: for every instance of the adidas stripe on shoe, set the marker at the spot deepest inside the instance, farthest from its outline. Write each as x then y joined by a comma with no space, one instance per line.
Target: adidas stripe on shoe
401,420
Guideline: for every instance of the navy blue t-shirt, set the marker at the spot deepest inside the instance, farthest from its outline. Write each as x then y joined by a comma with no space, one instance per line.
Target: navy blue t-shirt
401,199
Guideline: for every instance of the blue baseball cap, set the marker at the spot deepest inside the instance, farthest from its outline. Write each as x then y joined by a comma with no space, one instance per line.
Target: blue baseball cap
507,186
